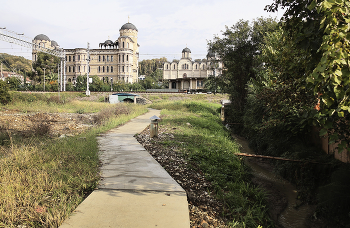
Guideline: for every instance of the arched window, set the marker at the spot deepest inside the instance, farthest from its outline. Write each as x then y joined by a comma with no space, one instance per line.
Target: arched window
196,66
99,69
174,66
69,80
111,69
107,69
167,67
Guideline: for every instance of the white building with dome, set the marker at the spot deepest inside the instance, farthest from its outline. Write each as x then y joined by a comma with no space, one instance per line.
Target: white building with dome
188,75
114,60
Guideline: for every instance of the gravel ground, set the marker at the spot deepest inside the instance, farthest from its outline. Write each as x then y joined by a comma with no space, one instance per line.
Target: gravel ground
204,209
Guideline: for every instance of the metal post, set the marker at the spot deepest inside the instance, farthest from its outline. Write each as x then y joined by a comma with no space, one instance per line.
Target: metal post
63,80
44,78
61,75
87,75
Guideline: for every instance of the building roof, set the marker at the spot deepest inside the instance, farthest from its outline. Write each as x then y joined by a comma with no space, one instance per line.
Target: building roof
186,50
42,37
54,43
129,26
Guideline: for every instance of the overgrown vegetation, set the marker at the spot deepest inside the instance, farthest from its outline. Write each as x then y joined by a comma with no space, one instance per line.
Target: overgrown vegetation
296,79
43,179
208,148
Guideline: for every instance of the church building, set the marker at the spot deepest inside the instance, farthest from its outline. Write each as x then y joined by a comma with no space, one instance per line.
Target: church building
188,75
112,61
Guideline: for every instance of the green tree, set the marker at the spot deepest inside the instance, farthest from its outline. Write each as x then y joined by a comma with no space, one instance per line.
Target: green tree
237,50
13,82
47,61
322,29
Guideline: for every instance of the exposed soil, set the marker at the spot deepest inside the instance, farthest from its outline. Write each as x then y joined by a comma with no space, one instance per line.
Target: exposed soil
56,124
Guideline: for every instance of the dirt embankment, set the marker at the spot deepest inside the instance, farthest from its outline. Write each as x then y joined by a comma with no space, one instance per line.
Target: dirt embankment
52,124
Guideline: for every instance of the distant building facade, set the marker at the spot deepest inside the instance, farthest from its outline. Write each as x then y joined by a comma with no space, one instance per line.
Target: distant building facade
188,75
112,61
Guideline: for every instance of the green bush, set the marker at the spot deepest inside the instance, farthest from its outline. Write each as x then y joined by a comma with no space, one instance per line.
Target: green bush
5,96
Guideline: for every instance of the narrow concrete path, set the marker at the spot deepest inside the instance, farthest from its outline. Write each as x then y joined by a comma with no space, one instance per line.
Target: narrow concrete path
135,191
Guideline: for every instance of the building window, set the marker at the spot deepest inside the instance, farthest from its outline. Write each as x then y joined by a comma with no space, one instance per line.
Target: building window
111,69
111,58
200,83
127,68
73,58
103,69
123,58
122,68
78,67
73,69
107,58
127,58
123,44
78,57
174,66
119,58
69,59
167,67
84,69
69,69
119,68
103,58
99,58
196,66
107,69
66,58
127,44
99,69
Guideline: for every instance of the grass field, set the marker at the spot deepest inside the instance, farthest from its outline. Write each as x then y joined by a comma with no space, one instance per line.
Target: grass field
206,143
43,179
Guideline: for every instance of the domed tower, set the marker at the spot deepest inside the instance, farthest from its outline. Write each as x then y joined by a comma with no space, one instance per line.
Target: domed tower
186,53
42,41
128,56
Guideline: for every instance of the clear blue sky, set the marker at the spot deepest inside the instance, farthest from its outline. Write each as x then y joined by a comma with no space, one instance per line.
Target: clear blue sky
165,27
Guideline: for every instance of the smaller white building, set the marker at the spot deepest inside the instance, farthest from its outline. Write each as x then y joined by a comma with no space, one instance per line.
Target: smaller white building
188,75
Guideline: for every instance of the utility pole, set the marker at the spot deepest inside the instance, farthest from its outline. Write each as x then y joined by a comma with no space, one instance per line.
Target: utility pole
87,75
44,78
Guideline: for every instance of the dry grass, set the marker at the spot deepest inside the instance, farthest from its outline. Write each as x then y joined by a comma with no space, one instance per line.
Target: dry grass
43,180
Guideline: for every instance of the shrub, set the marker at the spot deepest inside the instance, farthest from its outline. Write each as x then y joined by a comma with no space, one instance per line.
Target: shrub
5,96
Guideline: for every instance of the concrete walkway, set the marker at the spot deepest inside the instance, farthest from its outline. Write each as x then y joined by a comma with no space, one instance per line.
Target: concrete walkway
135,191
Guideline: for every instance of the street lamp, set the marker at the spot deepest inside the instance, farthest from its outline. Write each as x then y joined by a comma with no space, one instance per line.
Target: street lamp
44,78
